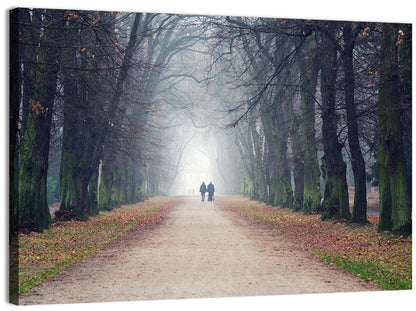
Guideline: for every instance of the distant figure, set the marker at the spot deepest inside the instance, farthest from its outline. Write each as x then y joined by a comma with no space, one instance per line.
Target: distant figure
211,191
203,189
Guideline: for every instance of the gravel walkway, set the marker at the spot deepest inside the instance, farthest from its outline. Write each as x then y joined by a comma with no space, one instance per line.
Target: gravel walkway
201,250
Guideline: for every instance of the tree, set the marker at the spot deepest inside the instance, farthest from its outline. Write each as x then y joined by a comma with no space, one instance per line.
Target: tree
84,133
41,79
359,213
140,134
395,206
264,60
305,144
123,81
405,66
335,203
14,104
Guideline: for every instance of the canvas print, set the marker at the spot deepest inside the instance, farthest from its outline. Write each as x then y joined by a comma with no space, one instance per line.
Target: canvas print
164,156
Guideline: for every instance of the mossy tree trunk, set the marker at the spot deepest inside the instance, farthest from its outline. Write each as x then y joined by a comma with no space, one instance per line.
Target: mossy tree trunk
120,181
251,159
241,141
359,213
85,123
283,192
133,183
298,149
258,165
395,205
335,203
93,194
311,201
141,184
405,58
270,157
34,141
80,145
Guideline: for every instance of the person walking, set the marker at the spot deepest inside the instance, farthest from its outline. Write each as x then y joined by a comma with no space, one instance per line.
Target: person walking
211,190
203,189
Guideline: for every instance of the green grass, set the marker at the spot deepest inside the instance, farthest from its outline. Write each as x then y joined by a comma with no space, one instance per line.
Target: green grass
381,274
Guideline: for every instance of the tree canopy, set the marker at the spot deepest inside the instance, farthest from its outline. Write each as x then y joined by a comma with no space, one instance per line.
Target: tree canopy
305,114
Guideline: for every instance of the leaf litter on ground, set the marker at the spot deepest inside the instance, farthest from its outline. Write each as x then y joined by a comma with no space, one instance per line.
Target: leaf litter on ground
381,258
38,255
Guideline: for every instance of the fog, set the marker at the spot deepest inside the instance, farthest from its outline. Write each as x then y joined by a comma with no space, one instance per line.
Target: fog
164,102
195,168
192,98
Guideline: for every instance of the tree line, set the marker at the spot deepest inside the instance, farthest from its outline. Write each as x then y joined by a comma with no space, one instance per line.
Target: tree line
85,126
315,103
96,111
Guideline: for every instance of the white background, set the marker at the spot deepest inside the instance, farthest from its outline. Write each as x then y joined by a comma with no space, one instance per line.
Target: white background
357,10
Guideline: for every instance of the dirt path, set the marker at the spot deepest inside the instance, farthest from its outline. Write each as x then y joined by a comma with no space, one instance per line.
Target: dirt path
201,250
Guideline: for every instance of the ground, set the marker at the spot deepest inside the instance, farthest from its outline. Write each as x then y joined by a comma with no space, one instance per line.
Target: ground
200,250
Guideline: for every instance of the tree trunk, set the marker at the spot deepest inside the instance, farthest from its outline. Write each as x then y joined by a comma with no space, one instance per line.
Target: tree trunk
106,184
78,159
34,150
93,194
259,175
14,104
405,57
85,133
141,184
252,162
298,161
284,194
359,213
335,203
270,160
395,206
311,201
246,158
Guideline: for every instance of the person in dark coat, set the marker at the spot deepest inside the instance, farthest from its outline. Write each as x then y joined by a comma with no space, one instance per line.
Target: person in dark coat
203,189
211,190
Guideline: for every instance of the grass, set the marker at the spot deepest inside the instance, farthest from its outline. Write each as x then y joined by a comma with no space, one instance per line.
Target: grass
37,256
380,258
383,274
